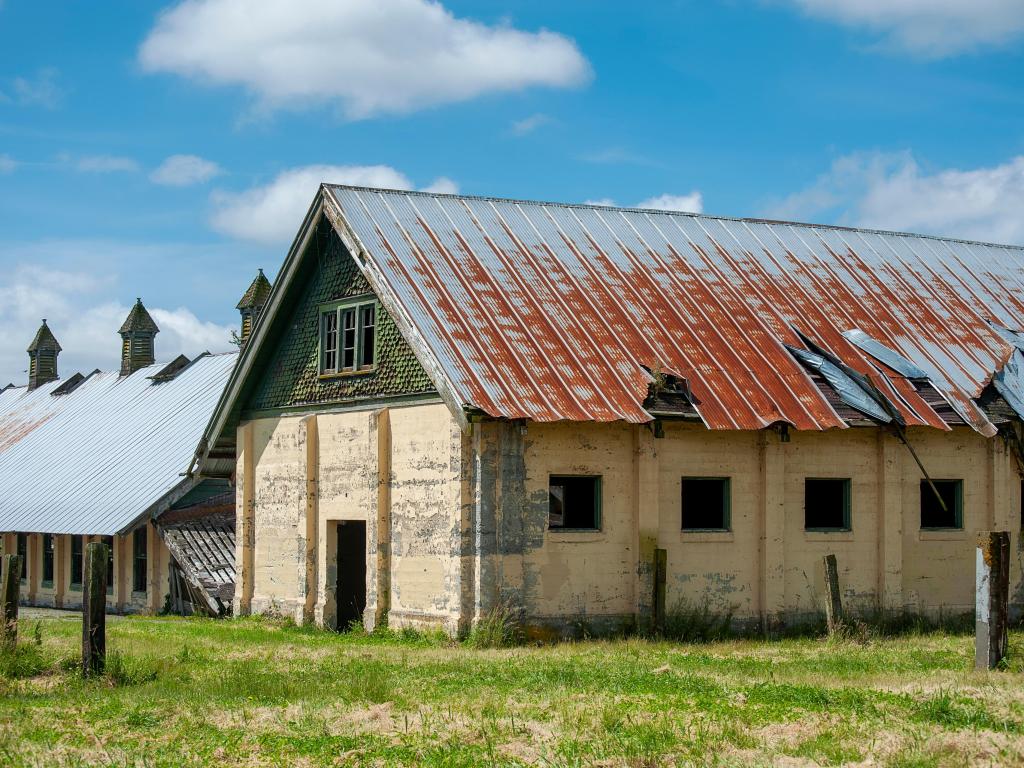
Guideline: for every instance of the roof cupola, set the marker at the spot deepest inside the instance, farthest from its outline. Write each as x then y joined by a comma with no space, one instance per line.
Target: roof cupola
42,357
251,305
137,335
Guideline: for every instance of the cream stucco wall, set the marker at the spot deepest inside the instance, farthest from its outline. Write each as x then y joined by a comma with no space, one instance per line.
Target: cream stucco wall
458,521
397,469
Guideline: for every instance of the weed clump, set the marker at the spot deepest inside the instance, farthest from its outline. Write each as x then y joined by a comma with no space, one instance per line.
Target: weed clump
22,660
688,623
500,628
122,670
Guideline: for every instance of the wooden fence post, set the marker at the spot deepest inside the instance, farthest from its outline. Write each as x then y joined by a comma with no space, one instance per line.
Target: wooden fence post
834,599
10,583
992,592
660,578
94,609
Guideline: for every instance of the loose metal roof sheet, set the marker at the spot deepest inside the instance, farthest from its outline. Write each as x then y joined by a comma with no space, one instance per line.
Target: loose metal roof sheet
96,459
550,311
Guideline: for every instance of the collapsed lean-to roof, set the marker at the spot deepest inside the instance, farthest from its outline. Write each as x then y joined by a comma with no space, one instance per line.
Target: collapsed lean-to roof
94,456
551,312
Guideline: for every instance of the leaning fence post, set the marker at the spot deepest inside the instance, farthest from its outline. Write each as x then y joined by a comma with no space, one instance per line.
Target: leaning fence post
10,582
834,600
94,609
992,591
660,579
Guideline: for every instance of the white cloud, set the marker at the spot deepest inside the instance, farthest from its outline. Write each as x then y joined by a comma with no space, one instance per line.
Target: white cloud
369,57
530,124
891,191
271,213
442,185
103,164
40,90
85,319
7,164
930,28
689,203
184,171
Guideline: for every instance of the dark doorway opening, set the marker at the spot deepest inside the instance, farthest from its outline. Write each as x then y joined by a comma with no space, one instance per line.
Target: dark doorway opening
351,594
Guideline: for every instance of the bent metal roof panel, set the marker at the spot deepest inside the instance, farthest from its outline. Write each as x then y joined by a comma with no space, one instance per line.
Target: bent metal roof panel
550,311
95,459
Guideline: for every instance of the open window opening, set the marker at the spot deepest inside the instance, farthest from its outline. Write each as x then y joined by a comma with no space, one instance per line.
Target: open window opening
705,504
574,502
827,504
932,513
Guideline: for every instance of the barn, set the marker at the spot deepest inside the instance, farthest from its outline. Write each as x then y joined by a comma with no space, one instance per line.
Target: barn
453,404
105,456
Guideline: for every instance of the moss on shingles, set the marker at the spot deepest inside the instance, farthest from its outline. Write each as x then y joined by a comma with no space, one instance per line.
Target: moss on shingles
291,376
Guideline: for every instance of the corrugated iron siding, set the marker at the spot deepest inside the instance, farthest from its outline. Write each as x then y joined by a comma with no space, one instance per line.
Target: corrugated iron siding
550,312
92,460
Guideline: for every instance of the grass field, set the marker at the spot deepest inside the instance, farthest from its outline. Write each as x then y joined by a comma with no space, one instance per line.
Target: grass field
256,692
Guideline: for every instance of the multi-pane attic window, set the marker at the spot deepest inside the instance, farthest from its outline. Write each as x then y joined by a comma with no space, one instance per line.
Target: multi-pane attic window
348,336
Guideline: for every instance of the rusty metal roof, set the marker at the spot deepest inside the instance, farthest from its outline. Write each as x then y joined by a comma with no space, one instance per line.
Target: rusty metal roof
96,459
550,311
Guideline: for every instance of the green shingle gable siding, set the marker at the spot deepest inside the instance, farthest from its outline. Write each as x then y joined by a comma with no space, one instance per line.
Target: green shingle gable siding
291,376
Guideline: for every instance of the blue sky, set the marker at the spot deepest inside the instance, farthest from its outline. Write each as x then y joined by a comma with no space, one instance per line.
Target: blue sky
167,151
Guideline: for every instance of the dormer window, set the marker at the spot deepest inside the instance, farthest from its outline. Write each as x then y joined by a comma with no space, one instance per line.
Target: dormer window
348,336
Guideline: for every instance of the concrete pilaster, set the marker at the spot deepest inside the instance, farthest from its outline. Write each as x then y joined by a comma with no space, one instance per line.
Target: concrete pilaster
772,516
890,522
646,514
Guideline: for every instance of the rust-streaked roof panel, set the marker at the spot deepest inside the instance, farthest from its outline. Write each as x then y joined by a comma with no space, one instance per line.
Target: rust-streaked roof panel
549,311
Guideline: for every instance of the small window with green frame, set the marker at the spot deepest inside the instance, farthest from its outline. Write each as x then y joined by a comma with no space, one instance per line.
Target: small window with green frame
48,547
947,514
574,502
827,504
705,504
348,336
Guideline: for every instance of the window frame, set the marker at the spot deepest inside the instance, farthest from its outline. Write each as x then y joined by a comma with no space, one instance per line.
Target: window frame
76,575
958,504
111,565
338,308
598,503
726,503
47,583
847,507
144,530
21,548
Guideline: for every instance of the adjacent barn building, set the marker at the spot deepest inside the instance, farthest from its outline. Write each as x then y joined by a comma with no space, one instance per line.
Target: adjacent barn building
105,457
454,402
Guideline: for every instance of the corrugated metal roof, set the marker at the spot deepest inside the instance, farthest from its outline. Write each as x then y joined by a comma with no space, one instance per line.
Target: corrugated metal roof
93,460
551,311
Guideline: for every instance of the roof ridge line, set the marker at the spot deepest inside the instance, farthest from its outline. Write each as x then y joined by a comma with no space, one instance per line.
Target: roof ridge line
713,217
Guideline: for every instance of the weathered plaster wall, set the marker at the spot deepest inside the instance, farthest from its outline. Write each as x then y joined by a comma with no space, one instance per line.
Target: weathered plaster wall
458,521
720,569
576,573
426,517
398,469
767,564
